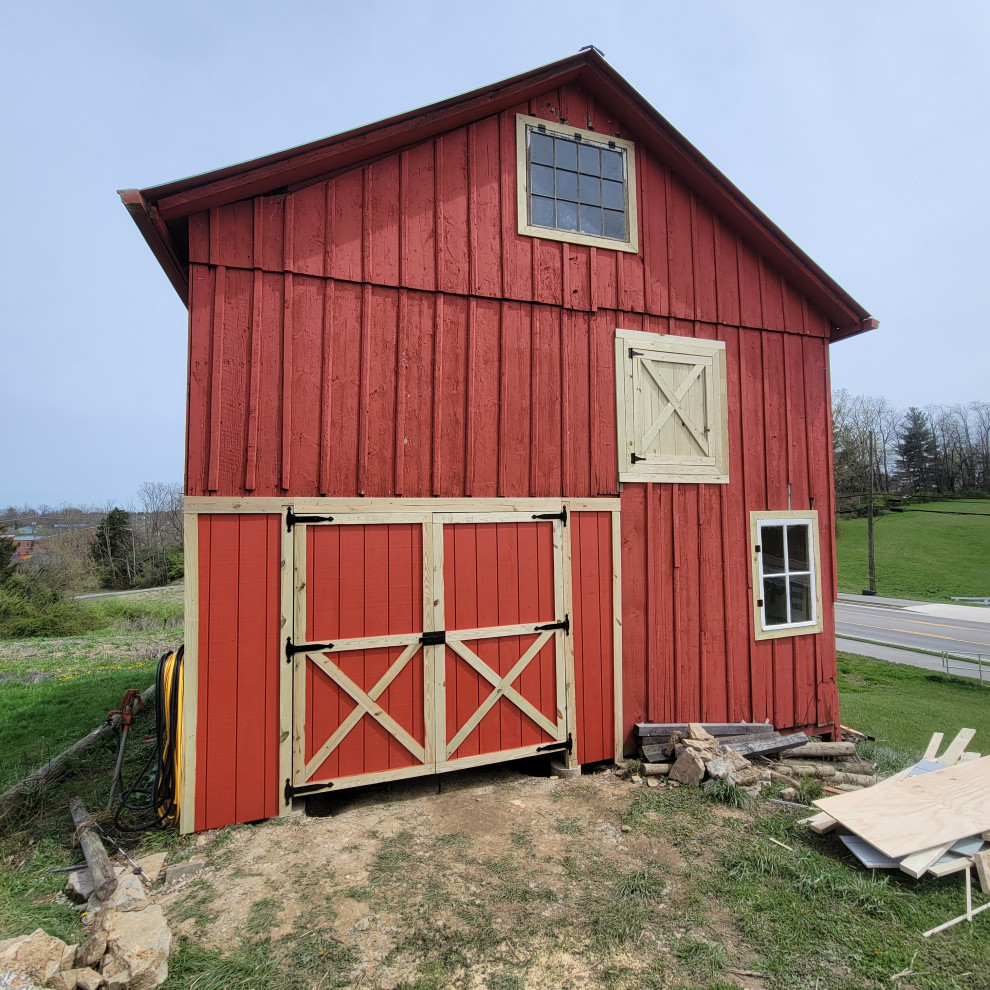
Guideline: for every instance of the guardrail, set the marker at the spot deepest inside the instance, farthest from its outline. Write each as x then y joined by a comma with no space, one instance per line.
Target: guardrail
979,601
960,662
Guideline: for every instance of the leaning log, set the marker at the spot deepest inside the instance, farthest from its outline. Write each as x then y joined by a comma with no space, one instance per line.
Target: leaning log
12,798
766,745
100,867
656,769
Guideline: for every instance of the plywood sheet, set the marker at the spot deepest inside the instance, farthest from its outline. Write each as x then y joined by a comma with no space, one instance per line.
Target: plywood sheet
918,812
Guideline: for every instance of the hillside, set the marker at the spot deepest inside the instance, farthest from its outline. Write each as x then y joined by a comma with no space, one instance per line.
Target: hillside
929,553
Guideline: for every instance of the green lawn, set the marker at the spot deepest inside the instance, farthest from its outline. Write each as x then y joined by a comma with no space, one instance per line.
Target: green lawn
924,555
903,706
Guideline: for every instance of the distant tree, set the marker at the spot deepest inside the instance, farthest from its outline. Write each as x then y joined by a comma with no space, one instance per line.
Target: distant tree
112,549
917,451
7,550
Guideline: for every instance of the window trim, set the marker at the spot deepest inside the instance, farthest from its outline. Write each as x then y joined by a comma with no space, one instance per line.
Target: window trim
523,125
788,517
711,470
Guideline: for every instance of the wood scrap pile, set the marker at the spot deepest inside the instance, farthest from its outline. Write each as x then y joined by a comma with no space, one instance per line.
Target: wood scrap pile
931,818
691,752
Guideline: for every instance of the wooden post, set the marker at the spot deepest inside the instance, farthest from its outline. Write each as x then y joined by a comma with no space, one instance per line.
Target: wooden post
100,867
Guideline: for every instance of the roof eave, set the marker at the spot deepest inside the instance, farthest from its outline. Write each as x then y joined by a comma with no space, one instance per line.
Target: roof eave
145,214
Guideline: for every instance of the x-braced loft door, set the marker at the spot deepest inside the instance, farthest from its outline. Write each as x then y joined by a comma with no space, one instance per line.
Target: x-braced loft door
424,642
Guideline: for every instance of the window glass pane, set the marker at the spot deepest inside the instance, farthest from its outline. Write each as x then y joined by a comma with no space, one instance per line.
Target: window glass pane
541,148
797,548
590,159
772,541
566,154
612,164
590,191
775,601
612,196
615,224
591,220
542,212
801,610
567,215
567,185
541,179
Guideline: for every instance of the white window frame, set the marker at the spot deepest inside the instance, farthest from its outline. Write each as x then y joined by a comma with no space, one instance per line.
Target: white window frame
632,345
808,518
524,126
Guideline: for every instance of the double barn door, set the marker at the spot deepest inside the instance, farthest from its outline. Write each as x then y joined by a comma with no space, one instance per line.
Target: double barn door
424,642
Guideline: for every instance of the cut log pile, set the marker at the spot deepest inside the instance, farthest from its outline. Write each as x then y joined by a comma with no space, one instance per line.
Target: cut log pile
933,817
750,755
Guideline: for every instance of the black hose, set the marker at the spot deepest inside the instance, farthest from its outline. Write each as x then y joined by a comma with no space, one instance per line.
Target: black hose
160,801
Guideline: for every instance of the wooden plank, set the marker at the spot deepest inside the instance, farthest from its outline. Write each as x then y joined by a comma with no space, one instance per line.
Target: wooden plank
767,746
820,823
617,696
956,748
822,749
190,674
981,861
665,729
918,812
919,862
568,584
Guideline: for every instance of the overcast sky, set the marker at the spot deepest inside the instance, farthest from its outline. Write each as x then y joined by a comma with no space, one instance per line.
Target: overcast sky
861,128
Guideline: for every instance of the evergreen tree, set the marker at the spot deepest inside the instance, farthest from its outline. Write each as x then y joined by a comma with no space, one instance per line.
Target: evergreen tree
113,550
916,451
7,550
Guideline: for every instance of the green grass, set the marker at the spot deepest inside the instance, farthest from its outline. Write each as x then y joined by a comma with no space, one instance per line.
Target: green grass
920,555
977,505
902,706
140,610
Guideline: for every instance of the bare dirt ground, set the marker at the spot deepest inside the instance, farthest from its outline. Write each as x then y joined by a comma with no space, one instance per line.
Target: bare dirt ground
498,880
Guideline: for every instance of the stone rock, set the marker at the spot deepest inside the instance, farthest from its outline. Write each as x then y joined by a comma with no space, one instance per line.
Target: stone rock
788,794
62,981
652,782
179,871
130,895
726,761
697,731
745,777
85,979
688,769
636,779
93,949
38,956
138,945
151,866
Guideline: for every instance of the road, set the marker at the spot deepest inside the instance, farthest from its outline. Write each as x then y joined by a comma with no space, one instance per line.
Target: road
904,627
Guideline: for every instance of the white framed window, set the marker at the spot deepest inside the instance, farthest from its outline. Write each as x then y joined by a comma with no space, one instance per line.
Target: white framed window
575,185
787,598
671,410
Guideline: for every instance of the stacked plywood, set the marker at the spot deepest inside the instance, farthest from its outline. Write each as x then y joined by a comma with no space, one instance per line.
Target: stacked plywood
933,817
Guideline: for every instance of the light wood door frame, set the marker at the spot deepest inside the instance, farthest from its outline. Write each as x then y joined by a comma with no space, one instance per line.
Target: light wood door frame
435,754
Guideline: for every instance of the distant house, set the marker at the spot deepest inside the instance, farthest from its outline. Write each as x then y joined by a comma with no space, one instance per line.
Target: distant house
27,547
508,428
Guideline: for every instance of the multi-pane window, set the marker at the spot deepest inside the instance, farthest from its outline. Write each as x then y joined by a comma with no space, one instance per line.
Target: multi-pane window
785,573
576,185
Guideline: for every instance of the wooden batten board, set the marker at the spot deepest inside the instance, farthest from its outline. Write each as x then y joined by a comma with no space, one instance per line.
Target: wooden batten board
920,862
918,812
298,664
430,652
663,730
617,629
286,670
956,748
190,675
364,506
570,696
932,751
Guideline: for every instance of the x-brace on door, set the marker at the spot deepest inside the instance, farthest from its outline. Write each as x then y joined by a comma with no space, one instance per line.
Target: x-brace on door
424,642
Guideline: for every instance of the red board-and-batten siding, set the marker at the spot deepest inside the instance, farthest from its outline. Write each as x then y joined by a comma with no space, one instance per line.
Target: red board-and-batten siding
387,332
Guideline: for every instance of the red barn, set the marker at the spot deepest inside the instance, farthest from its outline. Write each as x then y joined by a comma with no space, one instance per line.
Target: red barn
508,427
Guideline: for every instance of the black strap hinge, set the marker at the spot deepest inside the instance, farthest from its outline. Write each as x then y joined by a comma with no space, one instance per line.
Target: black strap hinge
291,519
436,637
567,744
291,649
291,792
562,515
564,624
758,548
759,603
635,457
634,353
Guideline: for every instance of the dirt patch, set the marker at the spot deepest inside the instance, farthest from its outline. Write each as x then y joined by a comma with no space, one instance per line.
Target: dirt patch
499,879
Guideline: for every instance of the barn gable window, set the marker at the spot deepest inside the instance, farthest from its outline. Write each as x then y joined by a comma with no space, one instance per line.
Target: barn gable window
672,416
786,573
575,185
